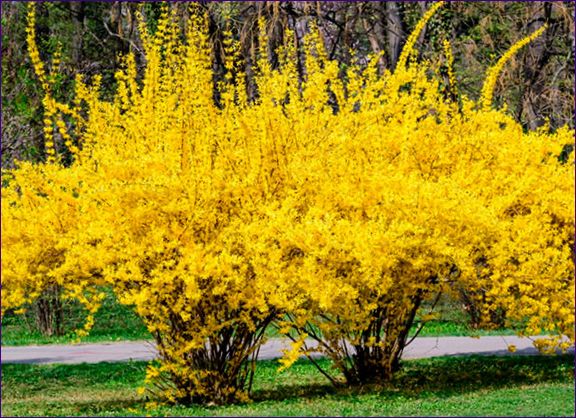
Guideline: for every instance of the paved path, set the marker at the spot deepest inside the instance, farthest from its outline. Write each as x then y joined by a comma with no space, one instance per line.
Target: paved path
144,350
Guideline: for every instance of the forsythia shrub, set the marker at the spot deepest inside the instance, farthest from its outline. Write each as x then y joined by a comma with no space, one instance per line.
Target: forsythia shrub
334,207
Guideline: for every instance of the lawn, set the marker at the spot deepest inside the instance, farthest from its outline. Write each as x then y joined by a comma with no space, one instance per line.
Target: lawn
443,386
113,322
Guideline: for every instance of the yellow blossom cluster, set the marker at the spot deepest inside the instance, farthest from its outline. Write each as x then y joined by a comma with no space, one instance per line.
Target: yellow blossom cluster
494,71
333,206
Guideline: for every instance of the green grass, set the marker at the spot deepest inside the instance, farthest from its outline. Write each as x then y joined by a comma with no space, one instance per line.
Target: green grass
453,321
444,386
115,322
446,328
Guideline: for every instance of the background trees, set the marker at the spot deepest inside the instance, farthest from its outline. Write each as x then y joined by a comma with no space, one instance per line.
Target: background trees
536,85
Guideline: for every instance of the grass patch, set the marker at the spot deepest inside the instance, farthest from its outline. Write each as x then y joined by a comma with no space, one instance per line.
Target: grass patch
113,322
442,386
452,321
451,328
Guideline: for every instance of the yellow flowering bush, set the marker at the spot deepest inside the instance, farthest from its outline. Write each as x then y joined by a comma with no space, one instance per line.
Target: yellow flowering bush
49,237
333,206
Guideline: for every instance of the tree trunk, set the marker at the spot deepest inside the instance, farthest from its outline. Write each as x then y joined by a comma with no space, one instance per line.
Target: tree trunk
49,312
77,12
394,32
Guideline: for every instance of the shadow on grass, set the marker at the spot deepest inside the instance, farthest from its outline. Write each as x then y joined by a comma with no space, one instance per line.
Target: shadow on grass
285,393
104,408
448,374
441,377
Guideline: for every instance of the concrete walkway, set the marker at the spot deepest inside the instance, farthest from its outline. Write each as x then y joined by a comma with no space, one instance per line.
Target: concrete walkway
145,350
